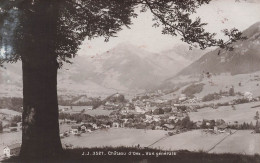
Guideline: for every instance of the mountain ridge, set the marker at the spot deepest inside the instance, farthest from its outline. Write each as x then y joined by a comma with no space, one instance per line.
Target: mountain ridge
125,68
243,59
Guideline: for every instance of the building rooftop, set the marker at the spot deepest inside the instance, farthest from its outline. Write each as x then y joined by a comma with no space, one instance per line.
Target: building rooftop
14,146
75,127
168,126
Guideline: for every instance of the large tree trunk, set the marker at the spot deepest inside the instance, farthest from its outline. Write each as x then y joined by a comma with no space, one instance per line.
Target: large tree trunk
40,137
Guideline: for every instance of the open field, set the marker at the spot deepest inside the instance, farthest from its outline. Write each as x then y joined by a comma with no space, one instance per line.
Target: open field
192,140
197,140
9,139
249,83
224,82
65,127
241,142
133,154
116,137
242,113
6,115
9,112
78,109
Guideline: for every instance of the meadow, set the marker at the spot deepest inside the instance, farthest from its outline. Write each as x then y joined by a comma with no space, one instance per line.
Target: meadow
115,137
79,109
242,113
239,142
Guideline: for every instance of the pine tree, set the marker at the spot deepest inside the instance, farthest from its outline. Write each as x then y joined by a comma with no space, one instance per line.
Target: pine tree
232,91
1,127
251,126
257,127
256,117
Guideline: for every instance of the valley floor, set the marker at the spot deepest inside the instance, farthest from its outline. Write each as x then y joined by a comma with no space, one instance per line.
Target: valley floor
241,113
239,142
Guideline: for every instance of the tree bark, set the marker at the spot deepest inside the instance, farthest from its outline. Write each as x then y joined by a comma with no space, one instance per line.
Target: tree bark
40,137
40,131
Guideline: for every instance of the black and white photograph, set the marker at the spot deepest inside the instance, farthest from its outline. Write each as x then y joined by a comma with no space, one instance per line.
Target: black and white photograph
130,81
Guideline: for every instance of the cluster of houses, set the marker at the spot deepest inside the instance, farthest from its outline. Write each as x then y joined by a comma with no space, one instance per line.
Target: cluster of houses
89,127
148,105
219,126
77,129
71,108
158,122
186,100
147,108
15,128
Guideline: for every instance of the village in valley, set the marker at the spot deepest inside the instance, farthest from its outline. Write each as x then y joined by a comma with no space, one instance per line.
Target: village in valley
167,113
153,111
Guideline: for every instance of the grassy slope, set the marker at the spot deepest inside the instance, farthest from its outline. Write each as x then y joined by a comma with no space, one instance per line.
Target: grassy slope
242,113
78,109
195,140
220,82
242,142
75,155
115,137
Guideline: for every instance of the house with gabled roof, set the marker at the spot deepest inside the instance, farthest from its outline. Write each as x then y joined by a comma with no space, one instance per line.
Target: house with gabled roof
222,128
168,127
115,125
12,150
75,129
248,95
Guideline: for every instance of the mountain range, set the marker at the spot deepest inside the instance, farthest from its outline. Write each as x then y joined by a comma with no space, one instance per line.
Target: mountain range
245,57
125,68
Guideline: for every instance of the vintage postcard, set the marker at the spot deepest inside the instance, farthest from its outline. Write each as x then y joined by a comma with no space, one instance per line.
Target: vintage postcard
129,81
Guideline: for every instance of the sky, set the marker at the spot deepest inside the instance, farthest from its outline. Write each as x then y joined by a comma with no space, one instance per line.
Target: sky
219,14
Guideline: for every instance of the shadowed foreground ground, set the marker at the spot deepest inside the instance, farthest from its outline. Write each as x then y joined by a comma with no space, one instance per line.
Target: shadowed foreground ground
136,155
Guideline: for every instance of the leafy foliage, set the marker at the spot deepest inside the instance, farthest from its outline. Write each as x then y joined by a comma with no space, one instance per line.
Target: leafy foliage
182,108
256,117
210,97
241,101
193,89
1,126
158,111
16,119
175,18
186,123
257,127
231,91
13,103
63,25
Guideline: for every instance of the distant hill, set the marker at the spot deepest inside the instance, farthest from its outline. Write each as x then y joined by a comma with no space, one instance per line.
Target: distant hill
183,54
129,67
125,68
245,58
